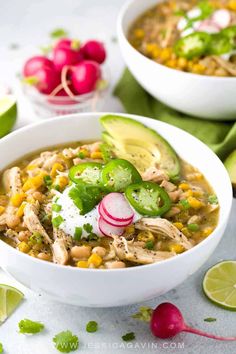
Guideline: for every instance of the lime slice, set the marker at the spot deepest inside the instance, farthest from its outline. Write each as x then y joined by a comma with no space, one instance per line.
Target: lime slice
219,284
10,298
8,113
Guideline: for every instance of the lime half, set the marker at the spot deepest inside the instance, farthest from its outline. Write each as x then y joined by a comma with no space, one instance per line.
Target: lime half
219,284
8,113
10,298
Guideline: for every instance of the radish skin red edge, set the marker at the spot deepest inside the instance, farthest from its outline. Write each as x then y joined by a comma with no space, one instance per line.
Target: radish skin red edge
117,208
109,230
112,221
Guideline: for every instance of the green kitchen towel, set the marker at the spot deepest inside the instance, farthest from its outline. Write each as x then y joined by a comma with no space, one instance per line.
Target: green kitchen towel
220,136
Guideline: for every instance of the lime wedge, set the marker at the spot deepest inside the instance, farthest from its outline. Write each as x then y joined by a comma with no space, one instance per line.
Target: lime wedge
8,113
10,298
219,284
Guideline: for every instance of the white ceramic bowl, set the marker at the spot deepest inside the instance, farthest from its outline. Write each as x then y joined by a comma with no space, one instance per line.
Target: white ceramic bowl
105,288
197,95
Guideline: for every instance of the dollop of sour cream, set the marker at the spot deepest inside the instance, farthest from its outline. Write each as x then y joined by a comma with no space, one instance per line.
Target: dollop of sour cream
72,218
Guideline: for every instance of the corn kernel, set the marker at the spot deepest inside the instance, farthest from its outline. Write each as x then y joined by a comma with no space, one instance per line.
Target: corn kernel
165,54
186,232
20,211
195,203
139,33
2,209
82,264
56,167
34,182
96,155
172,63
150,48
184,186
197,194
179,225
31,167
33,253
95,260
63,181
182,63
176,248
232,5
188,193
129,230
17,199
207,231
145,236
23,247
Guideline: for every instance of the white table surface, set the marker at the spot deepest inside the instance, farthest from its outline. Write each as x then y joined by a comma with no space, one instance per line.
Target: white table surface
27,24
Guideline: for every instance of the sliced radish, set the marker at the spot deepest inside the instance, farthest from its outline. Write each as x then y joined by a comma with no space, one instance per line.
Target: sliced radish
182,24
187,32
208,26
111,221
109,230
116,207
222,18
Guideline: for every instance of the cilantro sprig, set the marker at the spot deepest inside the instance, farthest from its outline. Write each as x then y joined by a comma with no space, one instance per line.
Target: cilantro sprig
27,326
66,342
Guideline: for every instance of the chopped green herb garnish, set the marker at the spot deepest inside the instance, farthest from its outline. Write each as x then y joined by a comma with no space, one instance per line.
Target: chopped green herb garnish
193,227
144,314
128,336
185,204
81,155
212,199
27,326
78,233
92,326
85,197
149,245
36,238
59,33
1,348
47,181
88,228
66,342
92,237
57,221
56,187
56,207
210,319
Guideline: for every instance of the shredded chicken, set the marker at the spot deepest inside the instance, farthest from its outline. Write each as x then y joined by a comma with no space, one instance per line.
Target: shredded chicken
60,253
165,228
32,222
155,175
127,250
12,181
70,153
225,64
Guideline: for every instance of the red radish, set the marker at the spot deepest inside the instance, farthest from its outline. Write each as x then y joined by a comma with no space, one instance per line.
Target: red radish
208,26
109,230
35,63
85,76
46,79
110,220
222,18
167,321
94,50
117,208
66,56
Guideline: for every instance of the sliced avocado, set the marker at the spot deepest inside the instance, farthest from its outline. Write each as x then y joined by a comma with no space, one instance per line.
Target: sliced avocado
230,164
142,146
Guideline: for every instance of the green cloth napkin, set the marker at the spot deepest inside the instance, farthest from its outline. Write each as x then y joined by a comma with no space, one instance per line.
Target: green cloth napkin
220,136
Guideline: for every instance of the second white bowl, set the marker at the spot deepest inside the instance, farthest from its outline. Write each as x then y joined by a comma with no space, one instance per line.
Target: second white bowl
197,95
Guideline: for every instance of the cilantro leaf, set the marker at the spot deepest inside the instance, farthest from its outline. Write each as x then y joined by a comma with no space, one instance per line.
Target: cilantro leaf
66,342
59,33
27,326
92,326
128,336
88,228
212,199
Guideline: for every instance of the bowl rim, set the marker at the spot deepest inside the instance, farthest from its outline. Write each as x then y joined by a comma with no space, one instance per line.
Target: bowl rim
122,35
221,223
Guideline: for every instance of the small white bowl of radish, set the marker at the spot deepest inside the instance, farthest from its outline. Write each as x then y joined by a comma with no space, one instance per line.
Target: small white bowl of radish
71,80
